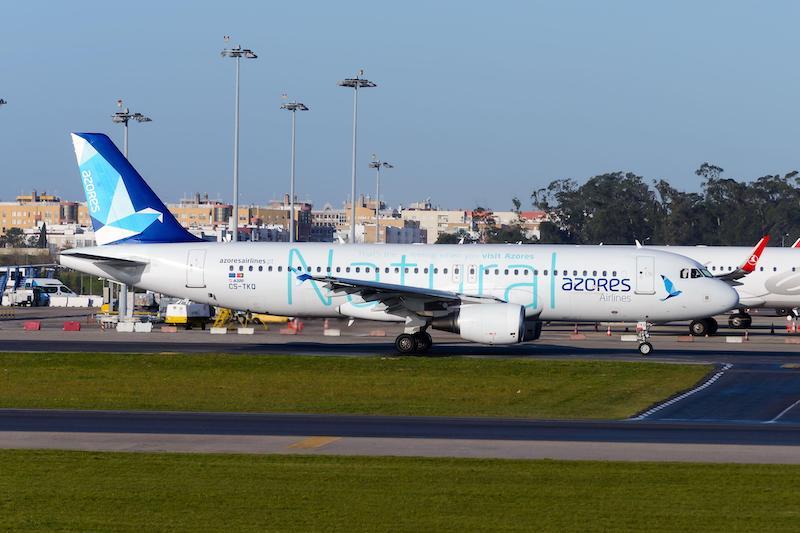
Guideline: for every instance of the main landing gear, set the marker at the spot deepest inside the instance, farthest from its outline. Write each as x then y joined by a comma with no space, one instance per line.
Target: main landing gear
740,320
703,327
413,343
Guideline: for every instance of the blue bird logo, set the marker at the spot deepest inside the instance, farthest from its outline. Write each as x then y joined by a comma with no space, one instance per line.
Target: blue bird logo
670,288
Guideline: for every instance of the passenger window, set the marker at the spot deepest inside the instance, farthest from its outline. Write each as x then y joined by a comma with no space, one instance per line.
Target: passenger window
426,270
386,270
406,270
444,271
486,271
436,270
574,272
416,271
594,273
280,269
471,271
366,269
319,269
455,270
347,269
338,269
327,269
505,272
516,272
496,271
241,268
260,268
250,268
230,268
269,268
584,272
396,270
614,273
358,269
762,269
605,273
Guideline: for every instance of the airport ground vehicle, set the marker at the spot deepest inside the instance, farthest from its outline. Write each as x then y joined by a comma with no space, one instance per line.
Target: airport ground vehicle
491,294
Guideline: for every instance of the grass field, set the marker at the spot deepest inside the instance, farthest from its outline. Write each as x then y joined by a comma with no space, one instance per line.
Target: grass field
81,491
390,386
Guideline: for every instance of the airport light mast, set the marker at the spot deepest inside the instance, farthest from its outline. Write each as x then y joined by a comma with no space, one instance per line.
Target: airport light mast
237,53
123,117
294,107
355,83
377,164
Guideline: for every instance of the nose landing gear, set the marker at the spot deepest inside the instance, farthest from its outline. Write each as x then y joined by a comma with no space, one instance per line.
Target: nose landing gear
643,332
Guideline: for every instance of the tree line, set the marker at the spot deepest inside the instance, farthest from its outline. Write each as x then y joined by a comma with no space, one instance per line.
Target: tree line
620,207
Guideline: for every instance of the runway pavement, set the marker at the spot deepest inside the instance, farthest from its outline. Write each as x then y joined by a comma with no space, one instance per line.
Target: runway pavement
749,411
420,436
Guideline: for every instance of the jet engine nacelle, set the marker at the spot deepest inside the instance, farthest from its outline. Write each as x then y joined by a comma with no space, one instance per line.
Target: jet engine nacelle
486,323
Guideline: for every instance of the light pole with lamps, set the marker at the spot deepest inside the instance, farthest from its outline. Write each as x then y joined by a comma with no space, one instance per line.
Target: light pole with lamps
377,164
123,117
355,84
294,107
237,53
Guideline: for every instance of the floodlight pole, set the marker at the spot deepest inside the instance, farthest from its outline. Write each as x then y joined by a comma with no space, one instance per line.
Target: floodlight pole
237,53
123,117
293,107
355,84
377,164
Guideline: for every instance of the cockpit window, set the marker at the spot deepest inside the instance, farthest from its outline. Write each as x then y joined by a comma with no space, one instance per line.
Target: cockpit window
687,273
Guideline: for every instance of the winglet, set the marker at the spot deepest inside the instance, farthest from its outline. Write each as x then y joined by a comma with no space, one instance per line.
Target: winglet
750,265
796,244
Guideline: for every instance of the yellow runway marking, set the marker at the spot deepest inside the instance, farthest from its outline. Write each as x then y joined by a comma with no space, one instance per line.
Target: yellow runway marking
313,442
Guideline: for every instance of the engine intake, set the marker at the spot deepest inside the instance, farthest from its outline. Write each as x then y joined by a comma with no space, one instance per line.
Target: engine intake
485,323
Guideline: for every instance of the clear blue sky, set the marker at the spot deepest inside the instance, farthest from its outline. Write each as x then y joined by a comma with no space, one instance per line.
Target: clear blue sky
477,102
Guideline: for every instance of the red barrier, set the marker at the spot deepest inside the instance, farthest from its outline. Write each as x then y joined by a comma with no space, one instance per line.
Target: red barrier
32,325
72,325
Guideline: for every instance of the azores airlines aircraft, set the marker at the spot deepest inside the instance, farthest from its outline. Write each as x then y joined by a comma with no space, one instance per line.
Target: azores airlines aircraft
772,280
491,294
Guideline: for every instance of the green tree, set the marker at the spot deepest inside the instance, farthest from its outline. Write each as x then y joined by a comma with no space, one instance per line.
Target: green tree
42,242
15,238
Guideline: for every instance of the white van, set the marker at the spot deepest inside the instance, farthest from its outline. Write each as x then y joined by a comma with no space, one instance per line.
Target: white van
50,286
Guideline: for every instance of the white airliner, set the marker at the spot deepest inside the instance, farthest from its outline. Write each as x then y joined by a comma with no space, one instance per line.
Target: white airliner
774,282
492,294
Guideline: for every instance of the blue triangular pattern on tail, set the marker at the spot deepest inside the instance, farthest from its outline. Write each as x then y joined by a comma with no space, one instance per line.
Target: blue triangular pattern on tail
123,208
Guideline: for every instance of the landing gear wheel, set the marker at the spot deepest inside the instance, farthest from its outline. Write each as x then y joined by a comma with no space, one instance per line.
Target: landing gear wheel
645,348
422,342
713,326
699,328
740,321
405,344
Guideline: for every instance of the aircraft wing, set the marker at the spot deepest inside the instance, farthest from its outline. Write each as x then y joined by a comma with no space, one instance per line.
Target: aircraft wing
103,260
392,294
749,265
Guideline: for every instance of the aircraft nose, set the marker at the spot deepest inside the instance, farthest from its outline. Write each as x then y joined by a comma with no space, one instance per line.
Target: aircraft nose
728,298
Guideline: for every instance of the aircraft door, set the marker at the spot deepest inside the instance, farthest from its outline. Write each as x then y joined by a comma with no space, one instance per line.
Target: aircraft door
645,274
472,274
195,268
457,273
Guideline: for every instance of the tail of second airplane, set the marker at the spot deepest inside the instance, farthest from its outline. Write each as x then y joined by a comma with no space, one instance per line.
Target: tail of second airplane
122,206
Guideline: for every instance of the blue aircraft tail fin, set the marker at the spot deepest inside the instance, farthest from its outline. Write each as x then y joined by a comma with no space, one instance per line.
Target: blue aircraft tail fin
122,206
